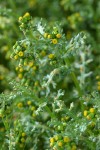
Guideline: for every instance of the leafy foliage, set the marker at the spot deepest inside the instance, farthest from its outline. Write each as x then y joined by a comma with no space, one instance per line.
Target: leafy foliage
50,99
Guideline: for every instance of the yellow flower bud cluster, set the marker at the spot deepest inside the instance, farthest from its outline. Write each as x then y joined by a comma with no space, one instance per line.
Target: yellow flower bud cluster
32,108
22,140
20,105
57,141
54,37
24,65
65,118
24,21
98,82
25,16
89,114
74,19
18,53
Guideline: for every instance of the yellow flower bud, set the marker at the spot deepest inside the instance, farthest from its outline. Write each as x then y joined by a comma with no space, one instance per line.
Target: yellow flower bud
34,68
1,77
21,69
31,63
74,147
58,35
60,143
66,139
98,88
23,134
21,54
88,117
20,76
51,56
56,137
45,35
85,113
54,41
92,110
26,15
43,53
98,83
49,36
20,18
51,140
33,115
36,83
33,108
17,68
97,77
16,57
20,105
29,103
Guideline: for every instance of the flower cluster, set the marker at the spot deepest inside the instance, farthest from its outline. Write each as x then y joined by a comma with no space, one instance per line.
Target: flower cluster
60,142
98,82
25,22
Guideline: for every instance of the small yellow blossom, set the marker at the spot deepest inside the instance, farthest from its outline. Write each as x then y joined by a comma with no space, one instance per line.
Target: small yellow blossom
98,83
62,119
34,68
1,77
26,15
33,108
20,76
5,48
92,110
51,144
33,115
85,113
24,45
20,18
49,36
66,139
67,117
45,35
36,83
74,147
88,117
98,88
20,105
23,134
56,137
51,56
31,63
43,53
25,63
16,57
29,103
54,41
52,140
60,143
58,35
97,77
16,68
21,69
21,54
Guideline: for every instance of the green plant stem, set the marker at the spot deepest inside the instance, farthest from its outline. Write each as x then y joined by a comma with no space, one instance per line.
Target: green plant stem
74,78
